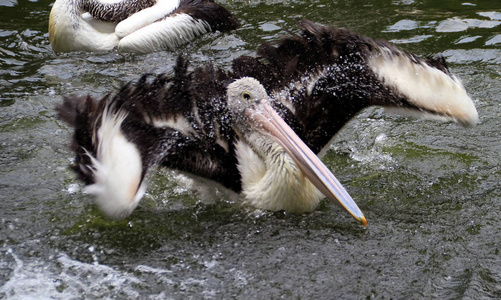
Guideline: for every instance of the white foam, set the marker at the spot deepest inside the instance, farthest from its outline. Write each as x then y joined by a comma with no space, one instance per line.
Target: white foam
62,277
65,278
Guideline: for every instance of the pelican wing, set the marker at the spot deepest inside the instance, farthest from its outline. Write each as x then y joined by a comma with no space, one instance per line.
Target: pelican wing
133,26
177,122
326,75
151,29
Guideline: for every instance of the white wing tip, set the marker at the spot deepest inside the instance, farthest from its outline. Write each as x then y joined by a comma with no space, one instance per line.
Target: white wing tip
114,204
118,169
426,87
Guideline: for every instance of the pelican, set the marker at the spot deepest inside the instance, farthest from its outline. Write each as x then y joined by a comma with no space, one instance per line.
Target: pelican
248,134
133,25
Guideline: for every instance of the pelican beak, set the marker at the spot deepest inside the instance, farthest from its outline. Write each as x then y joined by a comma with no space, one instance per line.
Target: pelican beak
307,161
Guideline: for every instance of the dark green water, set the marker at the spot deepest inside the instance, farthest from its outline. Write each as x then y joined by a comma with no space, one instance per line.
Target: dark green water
431,191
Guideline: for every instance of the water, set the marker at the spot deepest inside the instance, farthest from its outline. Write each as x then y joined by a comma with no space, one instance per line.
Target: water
430,191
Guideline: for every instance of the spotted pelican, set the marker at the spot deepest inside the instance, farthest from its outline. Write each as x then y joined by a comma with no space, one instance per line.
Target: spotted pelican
316,81
133,25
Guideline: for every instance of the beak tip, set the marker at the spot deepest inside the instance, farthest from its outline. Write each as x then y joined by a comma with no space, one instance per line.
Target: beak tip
364,221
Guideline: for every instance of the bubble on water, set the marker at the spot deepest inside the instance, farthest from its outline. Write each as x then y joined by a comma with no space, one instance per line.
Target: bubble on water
73,188
51,91
241,278
210,264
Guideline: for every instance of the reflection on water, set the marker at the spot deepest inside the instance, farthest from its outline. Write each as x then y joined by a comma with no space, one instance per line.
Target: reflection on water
456,24
431,191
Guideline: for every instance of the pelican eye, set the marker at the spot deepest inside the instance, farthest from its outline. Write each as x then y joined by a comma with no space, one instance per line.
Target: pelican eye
245,96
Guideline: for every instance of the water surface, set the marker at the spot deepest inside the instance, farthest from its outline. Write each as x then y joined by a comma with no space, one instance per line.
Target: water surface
431,191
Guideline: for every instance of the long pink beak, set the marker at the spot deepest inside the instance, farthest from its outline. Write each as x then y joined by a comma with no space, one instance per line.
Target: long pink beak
307,161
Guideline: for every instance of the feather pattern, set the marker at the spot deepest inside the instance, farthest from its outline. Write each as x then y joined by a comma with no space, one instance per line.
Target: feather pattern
326,75
133,25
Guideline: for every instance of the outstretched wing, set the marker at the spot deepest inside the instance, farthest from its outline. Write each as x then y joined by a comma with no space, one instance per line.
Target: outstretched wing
180,122
326,75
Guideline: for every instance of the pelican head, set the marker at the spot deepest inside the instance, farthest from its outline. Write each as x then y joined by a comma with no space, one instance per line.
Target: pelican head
279,172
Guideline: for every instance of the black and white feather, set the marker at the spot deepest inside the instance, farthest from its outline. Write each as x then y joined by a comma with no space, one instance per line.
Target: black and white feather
133,25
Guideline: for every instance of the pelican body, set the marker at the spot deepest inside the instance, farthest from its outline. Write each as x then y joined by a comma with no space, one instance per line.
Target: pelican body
133,25
308,85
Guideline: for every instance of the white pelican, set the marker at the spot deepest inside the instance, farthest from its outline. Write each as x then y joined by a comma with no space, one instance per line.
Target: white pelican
133,25
201,122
